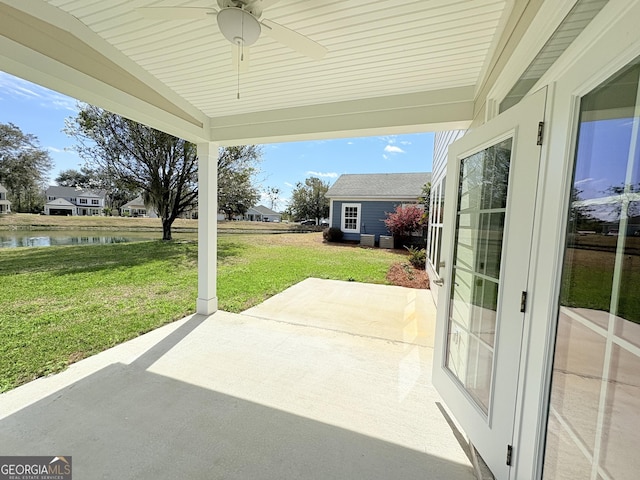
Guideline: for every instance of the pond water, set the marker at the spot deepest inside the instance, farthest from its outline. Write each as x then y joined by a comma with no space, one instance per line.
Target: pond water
50,238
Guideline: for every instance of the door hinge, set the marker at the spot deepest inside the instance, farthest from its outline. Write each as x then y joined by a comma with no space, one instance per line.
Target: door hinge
523,302
509,454
540,133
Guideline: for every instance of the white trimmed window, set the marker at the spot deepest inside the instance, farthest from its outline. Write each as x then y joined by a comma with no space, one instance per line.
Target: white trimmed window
351,217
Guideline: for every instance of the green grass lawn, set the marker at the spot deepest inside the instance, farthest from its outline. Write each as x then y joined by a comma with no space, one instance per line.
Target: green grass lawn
588,281
61,304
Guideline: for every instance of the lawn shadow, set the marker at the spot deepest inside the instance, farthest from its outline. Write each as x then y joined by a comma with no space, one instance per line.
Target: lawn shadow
227,249
73,259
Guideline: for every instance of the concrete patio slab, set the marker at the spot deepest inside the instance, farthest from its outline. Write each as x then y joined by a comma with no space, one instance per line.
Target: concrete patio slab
380,311
240,397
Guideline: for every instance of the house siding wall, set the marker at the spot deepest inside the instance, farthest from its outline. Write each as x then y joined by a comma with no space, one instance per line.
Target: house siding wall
440,151
371,217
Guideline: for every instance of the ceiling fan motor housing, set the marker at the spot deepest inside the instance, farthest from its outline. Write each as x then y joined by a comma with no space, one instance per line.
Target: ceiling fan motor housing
238,26
254,7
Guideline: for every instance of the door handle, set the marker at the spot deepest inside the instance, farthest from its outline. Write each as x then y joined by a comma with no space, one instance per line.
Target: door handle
439,282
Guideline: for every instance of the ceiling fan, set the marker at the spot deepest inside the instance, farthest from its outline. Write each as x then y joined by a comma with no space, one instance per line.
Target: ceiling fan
241,24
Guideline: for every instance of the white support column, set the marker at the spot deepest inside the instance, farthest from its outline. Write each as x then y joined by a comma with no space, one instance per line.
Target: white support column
207,227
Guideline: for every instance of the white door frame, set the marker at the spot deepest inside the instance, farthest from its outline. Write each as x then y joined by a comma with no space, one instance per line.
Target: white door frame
493,432
609,43
614,50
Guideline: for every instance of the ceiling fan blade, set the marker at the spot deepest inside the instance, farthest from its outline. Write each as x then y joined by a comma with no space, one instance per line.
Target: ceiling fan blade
294,40
175,13
240,58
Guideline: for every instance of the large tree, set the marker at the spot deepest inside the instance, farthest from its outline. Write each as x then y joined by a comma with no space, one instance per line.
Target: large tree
236,169
308,199
160,166
24,167
124,156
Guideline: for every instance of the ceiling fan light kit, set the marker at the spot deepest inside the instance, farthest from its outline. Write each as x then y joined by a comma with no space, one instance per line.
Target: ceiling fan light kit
238,26
241,22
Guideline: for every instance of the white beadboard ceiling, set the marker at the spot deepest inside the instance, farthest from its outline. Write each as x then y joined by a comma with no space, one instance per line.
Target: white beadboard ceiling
376,48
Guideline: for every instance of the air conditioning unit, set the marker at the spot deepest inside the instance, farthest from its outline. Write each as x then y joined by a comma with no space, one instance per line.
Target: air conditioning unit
367,240
386,241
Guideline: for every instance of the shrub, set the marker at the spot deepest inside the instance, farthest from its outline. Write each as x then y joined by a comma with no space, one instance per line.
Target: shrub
404,220
417,257
332,234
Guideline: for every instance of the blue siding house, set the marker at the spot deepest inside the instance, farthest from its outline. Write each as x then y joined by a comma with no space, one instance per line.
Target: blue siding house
358,203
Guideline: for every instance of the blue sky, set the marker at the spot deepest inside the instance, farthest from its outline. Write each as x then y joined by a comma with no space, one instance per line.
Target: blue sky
42,112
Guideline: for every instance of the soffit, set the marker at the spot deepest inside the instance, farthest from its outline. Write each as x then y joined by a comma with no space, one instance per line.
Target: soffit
392,50
376,48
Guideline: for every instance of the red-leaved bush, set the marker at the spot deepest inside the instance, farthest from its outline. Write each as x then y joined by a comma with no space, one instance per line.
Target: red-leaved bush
404,220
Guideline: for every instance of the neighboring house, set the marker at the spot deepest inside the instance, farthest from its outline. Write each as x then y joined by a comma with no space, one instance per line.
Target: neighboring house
5,205
137,208
261,213
359,202
74,201
190,213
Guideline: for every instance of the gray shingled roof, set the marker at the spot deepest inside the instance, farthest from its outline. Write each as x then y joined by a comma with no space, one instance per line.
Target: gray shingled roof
262,210
56,191
136,202
379,185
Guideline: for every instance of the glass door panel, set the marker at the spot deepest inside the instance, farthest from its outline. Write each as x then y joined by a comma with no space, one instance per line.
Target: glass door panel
594,411
477,254
491,188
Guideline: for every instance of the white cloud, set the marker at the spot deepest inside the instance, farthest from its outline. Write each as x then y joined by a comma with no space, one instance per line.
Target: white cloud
15,87
385,156
323,174
586,180
290,185
393,149
389,139
65,150
65,105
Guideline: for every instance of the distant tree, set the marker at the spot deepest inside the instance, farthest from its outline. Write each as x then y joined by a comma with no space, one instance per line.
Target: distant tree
273,194
24,168
236,169
627,194
73,178
425,201
308,200
161,166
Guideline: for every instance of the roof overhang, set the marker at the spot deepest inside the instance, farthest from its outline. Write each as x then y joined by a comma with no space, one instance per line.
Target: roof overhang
414,71
411,199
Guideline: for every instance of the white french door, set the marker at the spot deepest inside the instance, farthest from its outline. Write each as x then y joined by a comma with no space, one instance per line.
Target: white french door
492,177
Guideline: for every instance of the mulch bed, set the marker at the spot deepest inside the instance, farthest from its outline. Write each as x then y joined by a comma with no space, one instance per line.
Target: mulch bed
406,275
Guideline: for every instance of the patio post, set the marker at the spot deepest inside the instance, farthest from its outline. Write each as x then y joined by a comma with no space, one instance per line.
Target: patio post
207,227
